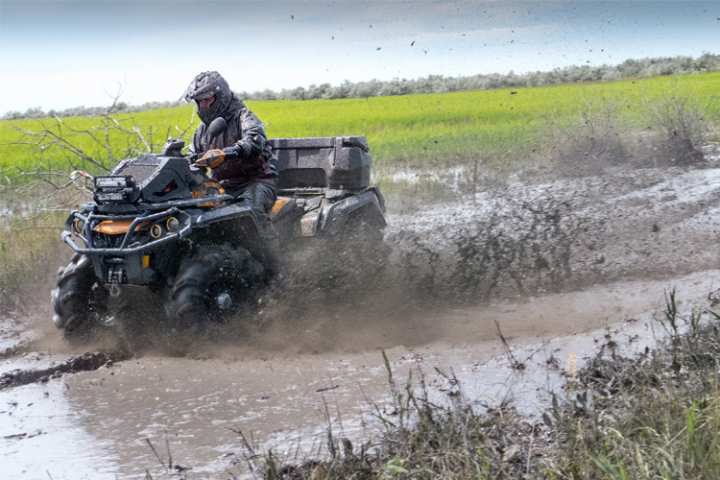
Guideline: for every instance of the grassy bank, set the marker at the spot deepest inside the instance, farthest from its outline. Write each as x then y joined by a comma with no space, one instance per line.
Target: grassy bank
653,416
412,130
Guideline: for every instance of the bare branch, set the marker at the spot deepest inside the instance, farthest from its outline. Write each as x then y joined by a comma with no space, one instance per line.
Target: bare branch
61,142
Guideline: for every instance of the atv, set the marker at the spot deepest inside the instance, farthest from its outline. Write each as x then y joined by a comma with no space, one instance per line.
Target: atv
161,223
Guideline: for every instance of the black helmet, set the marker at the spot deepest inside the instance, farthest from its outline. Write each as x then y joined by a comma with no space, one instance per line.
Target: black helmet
205,85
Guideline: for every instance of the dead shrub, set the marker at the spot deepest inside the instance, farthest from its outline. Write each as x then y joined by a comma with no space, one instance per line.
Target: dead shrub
681,129
593,141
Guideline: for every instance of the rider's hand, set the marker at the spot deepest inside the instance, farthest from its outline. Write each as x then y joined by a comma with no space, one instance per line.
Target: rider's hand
212,158
235,151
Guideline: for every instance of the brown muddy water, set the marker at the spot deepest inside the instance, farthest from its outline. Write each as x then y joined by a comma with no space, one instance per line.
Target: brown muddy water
95,424
590,262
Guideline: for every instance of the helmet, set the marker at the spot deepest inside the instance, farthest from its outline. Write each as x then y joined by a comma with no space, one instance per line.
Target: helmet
205,85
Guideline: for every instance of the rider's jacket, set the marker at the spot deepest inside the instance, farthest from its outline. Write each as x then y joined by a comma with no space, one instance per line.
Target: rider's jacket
245,129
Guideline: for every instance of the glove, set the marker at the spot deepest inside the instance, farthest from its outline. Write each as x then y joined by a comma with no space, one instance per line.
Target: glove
238,150
212,158
215,157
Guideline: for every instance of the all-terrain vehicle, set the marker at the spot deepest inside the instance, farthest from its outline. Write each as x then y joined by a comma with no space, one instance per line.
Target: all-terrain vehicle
159,222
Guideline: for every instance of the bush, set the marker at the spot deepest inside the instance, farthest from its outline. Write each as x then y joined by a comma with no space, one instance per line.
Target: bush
593,141
680,123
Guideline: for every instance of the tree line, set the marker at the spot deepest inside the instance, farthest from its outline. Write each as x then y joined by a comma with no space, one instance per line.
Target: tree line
631,68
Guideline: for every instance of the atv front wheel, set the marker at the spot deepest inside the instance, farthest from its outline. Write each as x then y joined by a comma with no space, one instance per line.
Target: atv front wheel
78,300
212,283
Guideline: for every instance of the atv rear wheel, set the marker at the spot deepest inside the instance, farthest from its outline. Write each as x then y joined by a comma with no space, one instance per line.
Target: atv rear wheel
211,284
351,261
78,301
361,250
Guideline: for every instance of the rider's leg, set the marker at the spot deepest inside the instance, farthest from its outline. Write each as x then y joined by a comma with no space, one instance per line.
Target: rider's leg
261,195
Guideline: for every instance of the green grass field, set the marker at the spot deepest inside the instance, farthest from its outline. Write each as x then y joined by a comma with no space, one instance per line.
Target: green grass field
410,130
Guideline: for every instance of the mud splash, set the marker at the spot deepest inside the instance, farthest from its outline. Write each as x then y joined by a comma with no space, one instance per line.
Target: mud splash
525,239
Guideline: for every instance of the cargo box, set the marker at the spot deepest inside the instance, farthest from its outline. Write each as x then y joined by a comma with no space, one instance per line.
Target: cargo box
322,162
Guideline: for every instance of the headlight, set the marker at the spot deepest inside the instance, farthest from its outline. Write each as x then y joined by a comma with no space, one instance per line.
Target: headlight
111,182
172,224
156,231
110,197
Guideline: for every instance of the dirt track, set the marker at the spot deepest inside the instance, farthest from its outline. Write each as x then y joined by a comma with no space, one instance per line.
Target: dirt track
560,259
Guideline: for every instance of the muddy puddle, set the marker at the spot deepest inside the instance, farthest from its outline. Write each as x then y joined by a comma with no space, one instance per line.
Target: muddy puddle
95,424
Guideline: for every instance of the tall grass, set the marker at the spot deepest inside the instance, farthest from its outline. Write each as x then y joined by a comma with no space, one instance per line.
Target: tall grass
656,416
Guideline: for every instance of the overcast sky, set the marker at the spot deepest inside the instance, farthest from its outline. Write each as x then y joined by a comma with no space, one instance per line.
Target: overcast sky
62,53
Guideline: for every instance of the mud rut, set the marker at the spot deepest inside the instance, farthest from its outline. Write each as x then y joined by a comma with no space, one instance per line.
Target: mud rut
549,262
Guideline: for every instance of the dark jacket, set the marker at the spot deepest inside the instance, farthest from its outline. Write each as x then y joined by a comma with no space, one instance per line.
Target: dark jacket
245,129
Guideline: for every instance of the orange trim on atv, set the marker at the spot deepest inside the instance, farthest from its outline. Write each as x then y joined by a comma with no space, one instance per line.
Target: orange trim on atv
208,188
279,204
117,227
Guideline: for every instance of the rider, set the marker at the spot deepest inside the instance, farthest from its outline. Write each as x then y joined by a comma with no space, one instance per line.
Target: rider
239,157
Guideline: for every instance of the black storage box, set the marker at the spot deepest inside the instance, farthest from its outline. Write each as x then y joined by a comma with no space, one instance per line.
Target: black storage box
322,162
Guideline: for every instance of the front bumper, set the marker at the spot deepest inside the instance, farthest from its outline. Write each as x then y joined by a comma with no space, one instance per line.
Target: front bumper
129,243
133,261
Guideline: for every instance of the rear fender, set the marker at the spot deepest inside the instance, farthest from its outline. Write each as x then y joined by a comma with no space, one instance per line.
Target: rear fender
368,204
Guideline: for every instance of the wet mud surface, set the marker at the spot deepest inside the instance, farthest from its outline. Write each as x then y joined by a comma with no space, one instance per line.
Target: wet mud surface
561,267
81,363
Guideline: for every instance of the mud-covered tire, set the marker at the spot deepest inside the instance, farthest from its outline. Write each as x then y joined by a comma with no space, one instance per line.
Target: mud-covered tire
208,272
77,301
